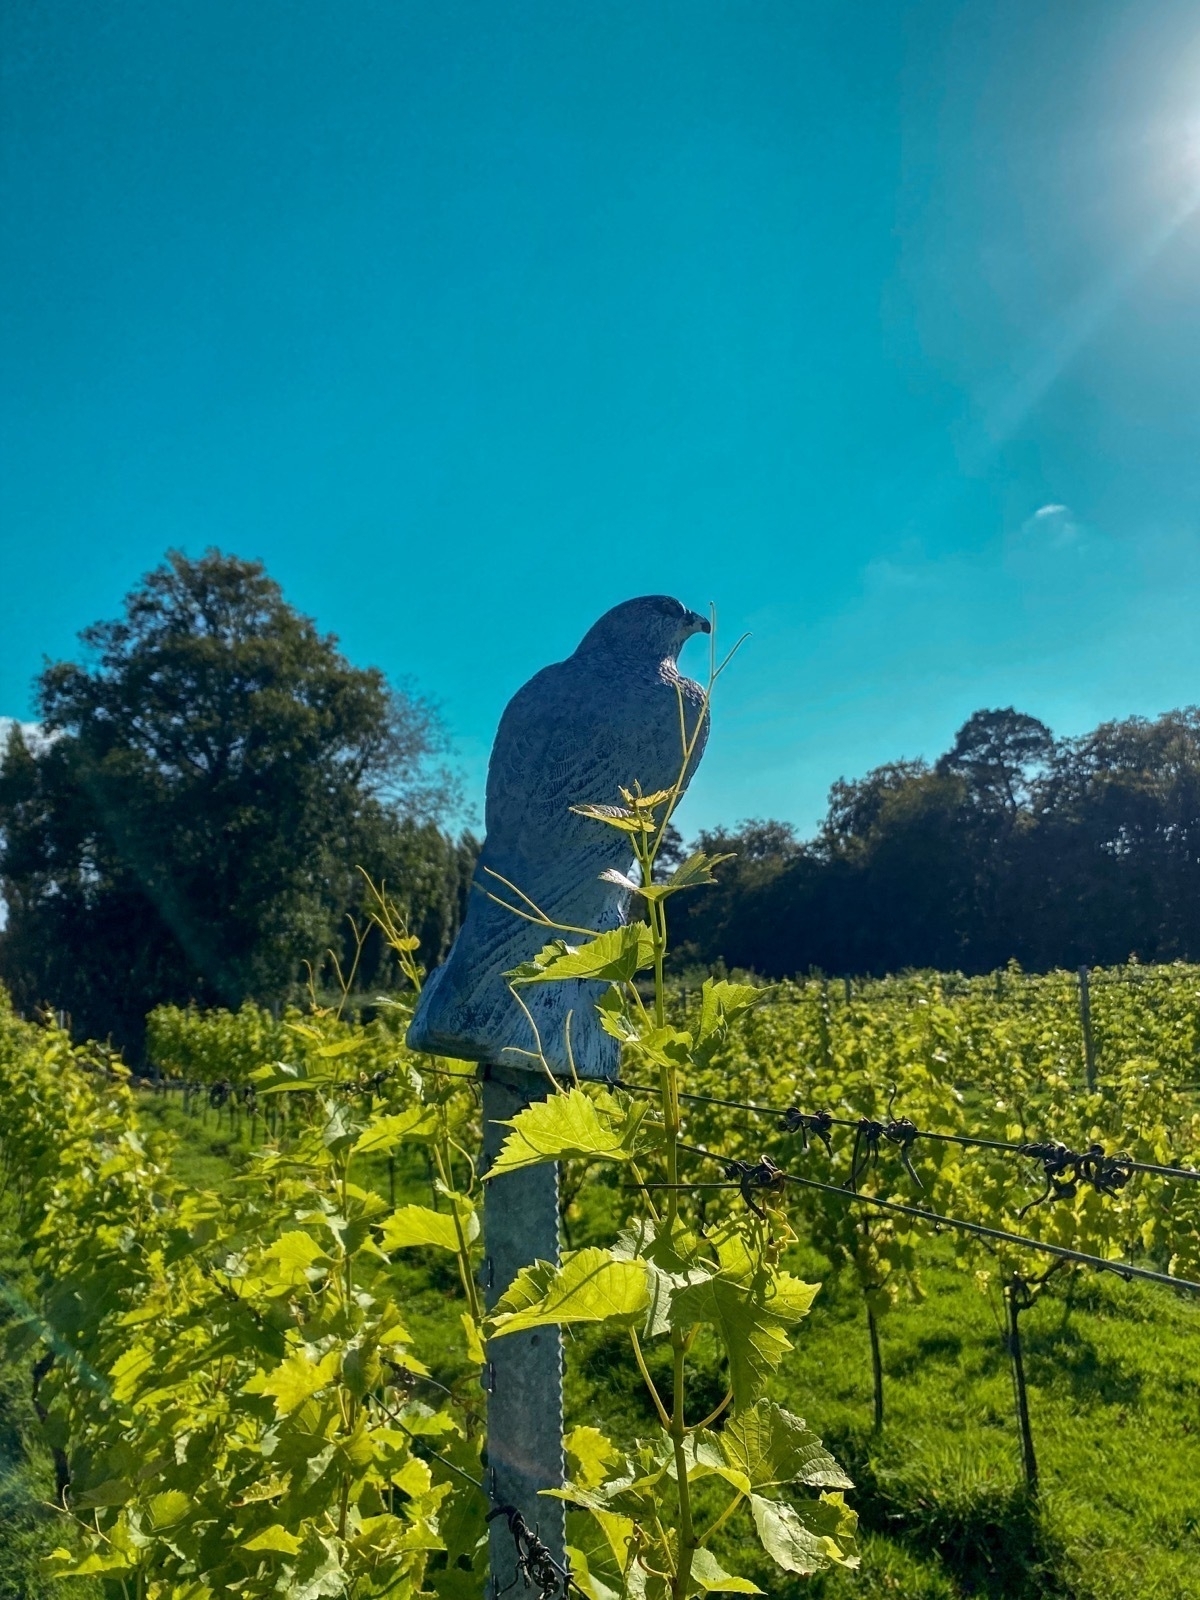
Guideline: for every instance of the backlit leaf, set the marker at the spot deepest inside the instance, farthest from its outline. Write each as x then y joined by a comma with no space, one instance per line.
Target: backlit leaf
475,1350
770,1445
295,1379
696,871
417,1225
720,1003
274,1538
293,1254
385,1133
708,1572
612,957
569,1125
168,1508
804,1538
591,1454
590,1286
749,1316
627,820
341,1047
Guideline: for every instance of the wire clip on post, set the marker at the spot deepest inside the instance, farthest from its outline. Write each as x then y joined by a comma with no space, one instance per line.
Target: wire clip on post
536,1567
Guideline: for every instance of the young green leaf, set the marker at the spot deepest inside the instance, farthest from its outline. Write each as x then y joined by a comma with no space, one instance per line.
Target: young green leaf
288,1261
274,1538
66,1565
695,872
720,1003
644,802
385,1133
590,1286
295,1379
569,1125
670,1265
711,1576
591,1454
627,821
807,1537
612,957
475,1350
771,1446
341,1047
418,1225
749,1316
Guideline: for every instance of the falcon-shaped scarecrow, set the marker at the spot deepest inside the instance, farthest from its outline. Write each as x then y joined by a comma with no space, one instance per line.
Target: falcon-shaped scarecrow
577,733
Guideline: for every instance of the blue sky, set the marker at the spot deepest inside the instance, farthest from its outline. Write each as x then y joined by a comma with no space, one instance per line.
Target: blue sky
877,325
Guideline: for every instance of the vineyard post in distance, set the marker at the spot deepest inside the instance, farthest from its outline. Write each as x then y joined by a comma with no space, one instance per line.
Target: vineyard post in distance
615,713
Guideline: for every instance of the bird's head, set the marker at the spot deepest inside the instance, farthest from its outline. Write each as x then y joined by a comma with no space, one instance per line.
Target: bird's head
654,625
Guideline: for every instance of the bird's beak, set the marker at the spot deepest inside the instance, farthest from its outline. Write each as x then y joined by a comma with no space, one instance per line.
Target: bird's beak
697,624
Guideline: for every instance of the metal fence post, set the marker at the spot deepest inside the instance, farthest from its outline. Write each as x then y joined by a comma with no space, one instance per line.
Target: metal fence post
524,1372
1085,1018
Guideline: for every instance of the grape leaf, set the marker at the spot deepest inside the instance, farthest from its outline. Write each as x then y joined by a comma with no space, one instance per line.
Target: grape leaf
720,1003
273,1538
295,1379
770,1446
749,1314
591,1453
475,1350
385,1133
612,957
290,1258
567,1125
628,821
808,1537
416,1225
696,871
168,1508
590,1286
708,1572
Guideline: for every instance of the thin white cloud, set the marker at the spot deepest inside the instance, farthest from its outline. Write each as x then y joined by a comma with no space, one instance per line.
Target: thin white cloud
1052,527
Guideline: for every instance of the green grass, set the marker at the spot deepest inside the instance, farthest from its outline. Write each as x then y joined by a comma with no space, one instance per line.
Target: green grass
1114,1372
1114,1376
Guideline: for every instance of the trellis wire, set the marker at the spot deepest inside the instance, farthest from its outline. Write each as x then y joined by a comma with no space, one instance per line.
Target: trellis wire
967,1140
1123,1269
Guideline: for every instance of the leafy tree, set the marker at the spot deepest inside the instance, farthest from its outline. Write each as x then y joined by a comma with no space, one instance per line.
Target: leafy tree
727,917
188,823
1002,755
855,808
1011,845
1113,866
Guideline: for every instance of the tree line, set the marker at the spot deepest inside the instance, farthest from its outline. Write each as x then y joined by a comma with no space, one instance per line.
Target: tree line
193,819
1013,845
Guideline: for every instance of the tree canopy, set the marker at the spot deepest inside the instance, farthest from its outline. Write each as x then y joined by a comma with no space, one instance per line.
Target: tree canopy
188,822
1013,845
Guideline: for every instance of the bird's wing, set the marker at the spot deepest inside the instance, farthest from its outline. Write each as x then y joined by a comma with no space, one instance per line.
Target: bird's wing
571,737
559,744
